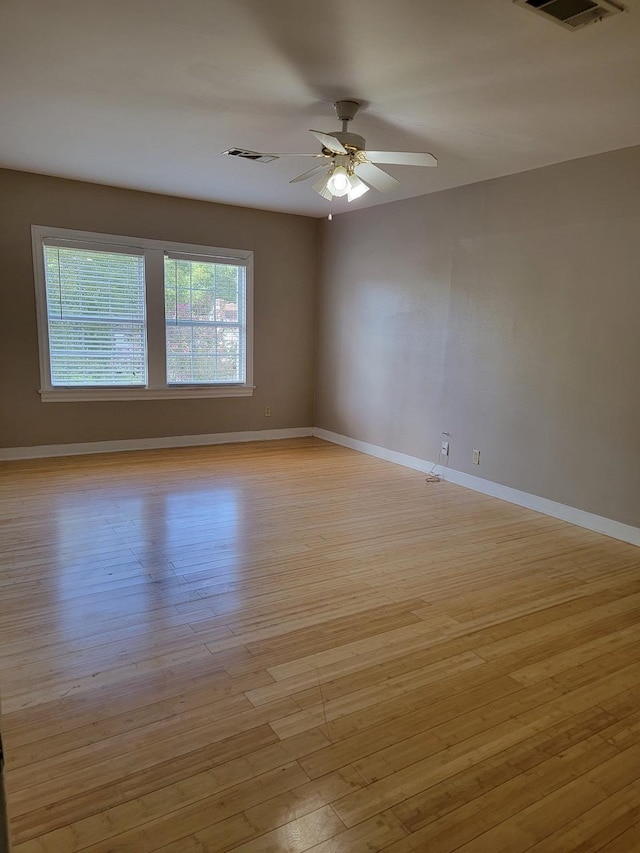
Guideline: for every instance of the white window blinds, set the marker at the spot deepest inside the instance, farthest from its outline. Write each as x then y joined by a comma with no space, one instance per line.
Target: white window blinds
96,315
205,311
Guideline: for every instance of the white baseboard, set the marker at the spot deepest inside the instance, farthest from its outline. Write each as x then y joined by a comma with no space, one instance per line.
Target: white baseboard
42,451
607,526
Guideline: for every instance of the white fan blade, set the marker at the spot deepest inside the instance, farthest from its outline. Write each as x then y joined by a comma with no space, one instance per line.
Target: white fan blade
291,154
309,174
329,142
376,177
401,158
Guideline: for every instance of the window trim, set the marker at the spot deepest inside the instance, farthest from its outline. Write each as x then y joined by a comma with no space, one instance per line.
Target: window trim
155,323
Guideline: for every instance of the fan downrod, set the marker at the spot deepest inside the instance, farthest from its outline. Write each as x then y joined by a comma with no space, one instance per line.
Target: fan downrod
346,110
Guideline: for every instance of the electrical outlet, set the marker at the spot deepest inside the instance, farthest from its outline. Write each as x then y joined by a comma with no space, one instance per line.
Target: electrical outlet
476,457
267,411
444,448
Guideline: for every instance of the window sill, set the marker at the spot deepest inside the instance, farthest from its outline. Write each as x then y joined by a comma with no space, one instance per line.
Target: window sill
79,395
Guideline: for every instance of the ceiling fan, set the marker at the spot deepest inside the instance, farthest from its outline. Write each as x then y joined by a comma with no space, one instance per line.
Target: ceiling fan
347,168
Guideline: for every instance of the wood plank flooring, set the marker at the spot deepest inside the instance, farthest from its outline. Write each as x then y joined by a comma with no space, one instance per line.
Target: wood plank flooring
290,646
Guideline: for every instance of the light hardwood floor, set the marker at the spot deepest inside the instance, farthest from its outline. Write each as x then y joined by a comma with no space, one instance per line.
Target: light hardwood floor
291,646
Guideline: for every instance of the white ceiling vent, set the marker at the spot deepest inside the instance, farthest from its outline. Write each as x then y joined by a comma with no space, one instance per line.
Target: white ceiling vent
573,14
250,155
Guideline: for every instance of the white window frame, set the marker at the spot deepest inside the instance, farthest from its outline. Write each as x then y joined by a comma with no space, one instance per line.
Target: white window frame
154,252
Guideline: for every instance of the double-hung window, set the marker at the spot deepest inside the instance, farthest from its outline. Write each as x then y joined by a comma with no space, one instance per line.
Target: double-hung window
124,318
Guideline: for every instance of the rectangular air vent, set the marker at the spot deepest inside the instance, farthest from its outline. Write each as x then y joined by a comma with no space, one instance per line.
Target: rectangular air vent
573,14
250,155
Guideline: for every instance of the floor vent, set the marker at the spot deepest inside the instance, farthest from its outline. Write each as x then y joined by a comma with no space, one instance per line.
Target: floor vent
573,14
250,155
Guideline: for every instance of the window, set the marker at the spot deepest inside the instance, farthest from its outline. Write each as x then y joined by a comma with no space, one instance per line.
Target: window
205,318
96,317
124,318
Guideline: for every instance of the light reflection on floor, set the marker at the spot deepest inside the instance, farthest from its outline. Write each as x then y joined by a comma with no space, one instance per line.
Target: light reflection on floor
143,535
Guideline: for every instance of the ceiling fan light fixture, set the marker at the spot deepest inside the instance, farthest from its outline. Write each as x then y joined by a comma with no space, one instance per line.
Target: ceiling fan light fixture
344,153
358,188
339,183
321,187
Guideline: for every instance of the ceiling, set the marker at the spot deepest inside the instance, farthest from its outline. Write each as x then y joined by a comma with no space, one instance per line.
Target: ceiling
147,93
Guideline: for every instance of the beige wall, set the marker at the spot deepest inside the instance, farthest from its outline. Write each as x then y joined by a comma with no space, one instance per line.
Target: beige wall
285,250
506,313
